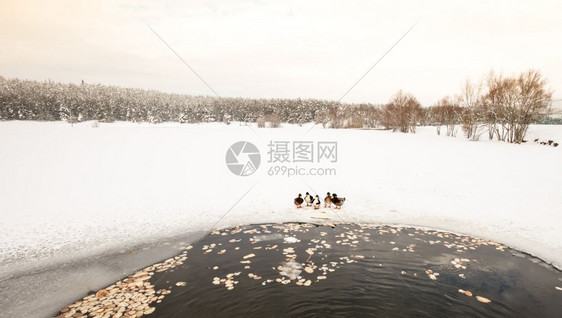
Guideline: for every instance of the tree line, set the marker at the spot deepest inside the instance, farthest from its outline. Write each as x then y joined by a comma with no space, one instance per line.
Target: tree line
499,106
52,101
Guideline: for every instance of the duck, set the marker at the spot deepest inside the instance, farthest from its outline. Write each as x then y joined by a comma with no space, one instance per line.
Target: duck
316,202
328,200
308,199
337,201
299,201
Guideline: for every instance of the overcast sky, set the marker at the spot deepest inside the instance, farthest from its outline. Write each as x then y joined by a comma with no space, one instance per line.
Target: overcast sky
315,49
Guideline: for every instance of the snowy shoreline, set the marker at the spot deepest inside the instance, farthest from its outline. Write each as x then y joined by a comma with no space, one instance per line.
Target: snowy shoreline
18,270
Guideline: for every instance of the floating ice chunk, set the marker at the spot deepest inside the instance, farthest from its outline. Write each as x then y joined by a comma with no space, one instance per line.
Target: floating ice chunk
290,239
291,269
267,237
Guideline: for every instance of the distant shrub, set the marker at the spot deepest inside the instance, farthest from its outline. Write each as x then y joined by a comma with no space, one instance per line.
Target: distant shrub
270,121
446,112
261,122
274,121
226,119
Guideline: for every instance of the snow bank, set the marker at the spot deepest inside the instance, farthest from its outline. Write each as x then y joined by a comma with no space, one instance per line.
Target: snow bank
74,191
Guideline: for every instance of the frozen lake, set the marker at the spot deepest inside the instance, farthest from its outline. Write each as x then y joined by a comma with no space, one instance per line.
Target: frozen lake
77,196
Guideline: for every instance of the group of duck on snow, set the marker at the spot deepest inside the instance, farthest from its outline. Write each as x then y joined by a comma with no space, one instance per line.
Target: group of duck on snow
315,201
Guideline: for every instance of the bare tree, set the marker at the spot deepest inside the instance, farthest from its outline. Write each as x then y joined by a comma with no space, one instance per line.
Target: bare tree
512,103
535,100
448,113
471,101
402,113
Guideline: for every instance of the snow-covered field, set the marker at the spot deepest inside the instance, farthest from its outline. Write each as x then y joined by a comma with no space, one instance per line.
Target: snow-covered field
69,192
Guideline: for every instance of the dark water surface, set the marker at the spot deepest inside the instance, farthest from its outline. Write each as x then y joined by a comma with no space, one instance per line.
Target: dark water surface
306,270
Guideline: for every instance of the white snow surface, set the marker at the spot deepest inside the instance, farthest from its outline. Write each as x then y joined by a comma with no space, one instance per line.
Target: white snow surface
69,192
